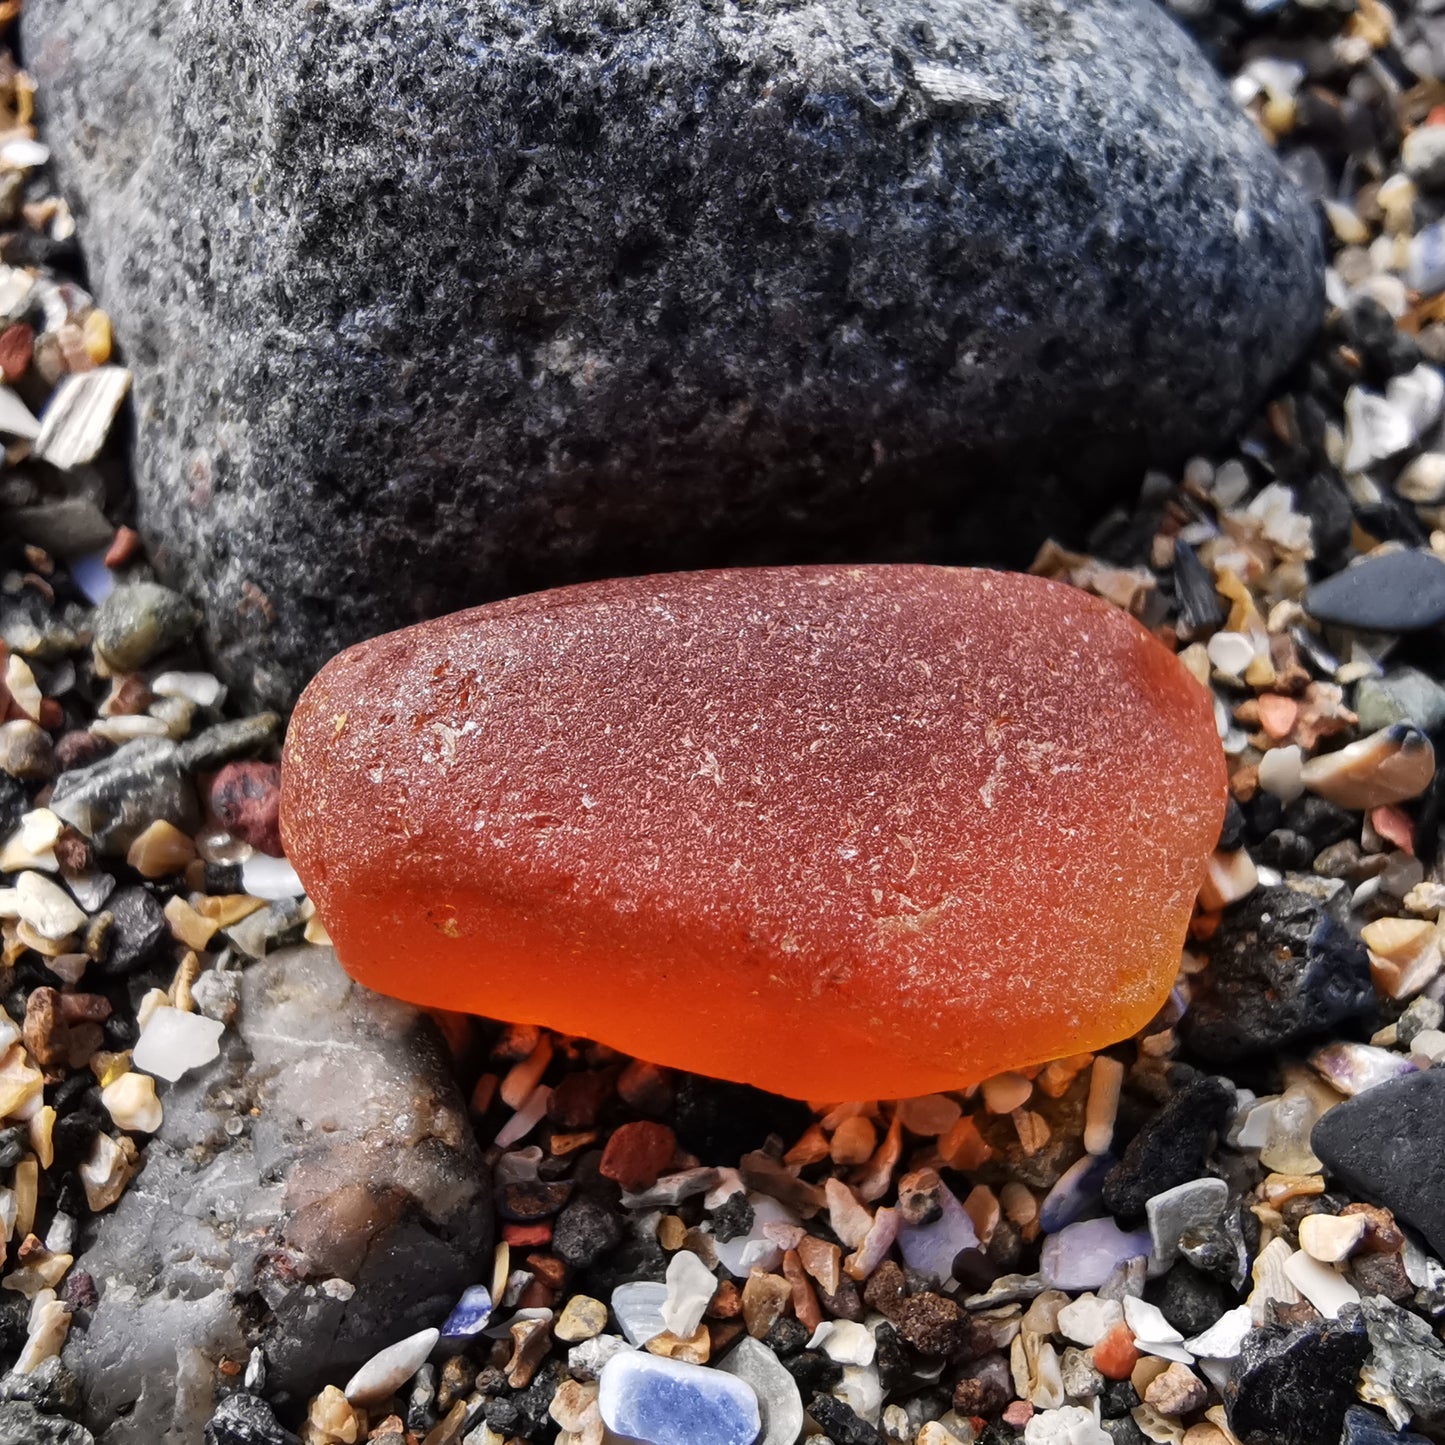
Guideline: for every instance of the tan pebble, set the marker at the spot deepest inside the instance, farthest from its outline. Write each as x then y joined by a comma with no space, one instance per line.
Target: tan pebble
1205,1433
1149,1368
812,1148
160,851
1331,1238
1390,766
765,1298
132,1103
671,1231
854,1141
1106,1078
49,1325
694,1350
1033,1132
531,1339
105,1172
1177,1391
1228,878
574,1404
823,1261
333,1420
188,926
1004,1093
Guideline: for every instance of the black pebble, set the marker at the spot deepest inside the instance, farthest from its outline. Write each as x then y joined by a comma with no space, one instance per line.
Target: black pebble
1199,607
1293,1386
246,1420
785,1337
1190,1300
841,1424
1286,851
1171,1148
12,1145
1231,833
732,1218
721,1122
1320,821
1123,1431
1281,971
1118,1398
813,1371
585,1231
1388,1145
894,1367
1400,591
14,801
138,929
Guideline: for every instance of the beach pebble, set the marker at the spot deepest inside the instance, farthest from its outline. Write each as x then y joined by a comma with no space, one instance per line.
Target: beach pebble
779,1402
666,1402
1393,591
1083,1256
1173,1212
173,1042
1331,1238
388,1370
1293,1386
131,1101
470,1314
690,1287
637,1307
137,621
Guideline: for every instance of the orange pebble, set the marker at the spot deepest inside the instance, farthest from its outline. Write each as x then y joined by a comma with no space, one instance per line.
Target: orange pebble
839,832
1277,715
1115,1355
1395,827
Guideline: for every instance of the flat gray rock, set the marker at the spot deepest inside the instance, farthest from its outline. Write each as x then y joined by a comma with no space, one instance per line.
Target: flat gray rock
430,301
349,1211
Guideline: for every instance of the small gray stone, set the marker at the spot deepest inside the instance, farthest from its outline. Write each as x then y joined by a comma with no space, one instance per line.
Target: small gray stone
26,750
246,1420
1423,1013
25,1425
1406,1358
1175,1211
779,1400
1402,695
351,1210
49,1387
140,620
529,290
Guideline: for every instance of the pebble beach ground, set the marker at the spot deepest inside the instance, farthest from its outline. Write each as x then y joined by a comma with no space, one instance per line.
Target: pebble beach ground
1227,1228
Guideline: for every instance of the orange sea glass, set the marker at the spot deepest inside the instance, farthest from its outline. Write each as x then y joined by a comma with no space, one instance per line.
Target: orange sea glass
840,832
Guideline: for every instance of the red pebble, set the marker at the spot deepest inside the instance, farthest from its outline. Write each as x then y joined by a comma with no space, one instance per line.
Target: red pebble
246,799
79,749
17,343
527,1236
123,547
1115,1355
637,1153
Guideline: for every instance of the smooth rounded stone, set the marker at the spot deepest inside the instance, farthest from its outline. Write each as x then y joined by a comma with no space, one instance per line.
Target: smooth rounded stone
582,1318
1173,1212
389,1369
779,1402
1293,1386
47,907
26,751
354,1204
1403,695
840,807
930,1249
648,284
1388,1145
1282,970
1084,1255
1331,1238
1397,591
139,620
1390,766
272,878
666,1402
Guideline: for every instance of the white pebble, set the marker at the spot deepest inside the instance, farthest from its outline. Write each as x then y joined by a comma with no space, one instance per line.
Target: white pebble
1224,1339
1281,773
1153,1333
1374,429
386,1372
1325,1288
128,727
845,1342
1231,652
200,688
131,1101
1429,1044
637,1307
47,907
271,878
1423,480
690,1288
22,153
173,1042
1088,1319
1069,1425
1419,394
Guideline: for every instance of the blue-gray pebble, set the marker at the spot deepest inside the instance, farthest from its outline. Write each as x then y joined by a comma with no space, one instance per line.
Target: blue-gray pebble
1394,592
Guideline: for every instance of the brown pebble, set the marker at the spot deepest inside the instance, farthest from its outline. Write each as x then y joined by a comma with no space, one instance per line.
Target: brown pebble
1382,1274
645,1087
637,1153
805,1302
44,1032
727,1303
823,1261
79,749
123,547
73,851
765,1299
89,1008
578,1098
549,1269
17,344
1382,1234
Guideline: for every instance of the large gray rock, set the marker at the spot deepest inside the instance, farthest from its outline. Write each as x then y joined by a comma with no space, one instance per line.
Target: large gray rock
434,300
317,1191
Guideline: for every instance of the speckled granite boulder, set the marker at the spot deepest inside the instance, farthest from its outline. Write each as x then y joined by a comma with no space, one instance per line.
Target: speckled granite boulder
435,300
348,1210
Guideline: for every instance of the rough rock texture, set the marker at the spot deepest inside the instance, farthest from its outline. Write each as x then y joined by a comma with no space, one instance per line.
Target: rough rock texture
1282,970
845,809
1389,1144
472,296
350,1209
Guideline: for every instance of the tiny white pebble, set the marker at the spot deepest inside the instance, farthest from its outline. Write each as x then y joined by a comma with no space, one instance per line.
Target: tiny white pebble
1281,773
1231,652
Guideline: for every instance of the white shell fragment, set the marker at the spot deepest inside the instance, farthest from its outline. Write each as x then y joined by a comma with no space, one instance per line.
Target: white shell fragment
1374,429
1325,1288
78,417
690,1288
174,1042
388,1370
